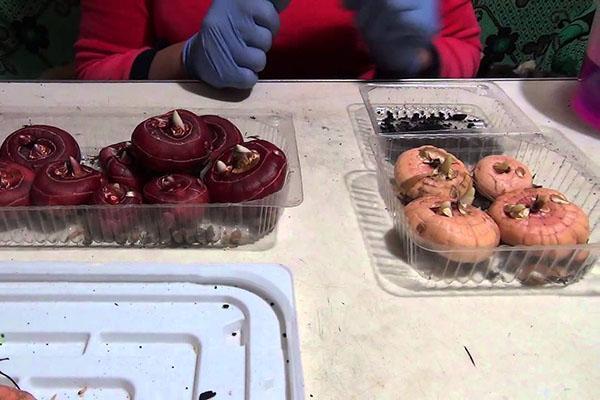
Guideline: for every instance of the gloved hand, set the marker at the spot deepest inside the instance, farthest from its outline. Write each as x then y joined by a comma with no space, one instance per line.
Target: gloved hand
230,49
397,31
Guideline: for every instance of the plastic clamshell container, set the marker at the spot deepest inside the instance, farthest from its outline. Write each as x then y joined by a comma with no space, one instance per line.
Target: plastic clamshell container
251,224
481,100
165,331
556,163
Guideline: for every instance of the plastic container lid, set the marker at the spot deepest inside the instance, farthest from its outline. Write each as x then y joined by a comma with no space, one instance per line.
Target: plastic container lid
125,331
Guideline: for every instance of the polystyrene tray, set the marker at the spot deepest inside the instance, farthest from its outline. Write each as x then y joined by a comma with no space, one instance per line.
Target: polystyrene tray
128,331
251,224
480,100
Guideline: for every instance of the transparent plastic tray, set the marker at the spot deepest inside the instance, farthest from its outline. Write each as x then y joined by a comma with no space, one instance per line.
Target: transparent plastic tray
165,332
556,163
251,224
477,100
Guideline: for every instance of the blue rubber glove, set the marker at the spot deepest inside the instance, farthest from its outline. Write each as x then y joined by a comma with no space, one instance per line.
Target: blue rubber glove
231,47
397,31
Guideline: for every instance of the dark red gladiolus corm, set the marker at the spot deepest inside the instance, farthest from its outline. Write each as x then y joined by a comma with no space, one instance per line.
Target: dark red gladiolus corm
247,172
65,183
15,184
177,141
36,146
119,165
224,134
176,189
116,219
116,194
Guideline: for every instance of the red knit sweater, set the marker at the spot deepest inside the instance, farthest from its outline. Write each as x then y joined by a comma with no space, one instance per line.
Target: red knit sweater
317,39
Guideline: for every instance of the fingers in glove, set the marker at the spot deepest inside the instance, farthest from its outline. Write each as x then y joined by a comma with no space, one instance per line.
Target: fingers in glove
243,55
251,58
225,74
256,36
220,68
265,15
378,23
243,79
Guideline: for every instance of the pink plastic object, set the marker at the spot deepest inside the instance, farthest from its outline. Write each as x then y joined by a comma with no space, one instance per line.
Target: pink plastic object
587,98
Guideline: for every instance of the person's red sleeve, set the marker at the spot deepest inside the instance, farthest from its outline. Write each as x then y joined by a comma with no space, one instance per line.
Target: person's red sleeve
112,34
459,43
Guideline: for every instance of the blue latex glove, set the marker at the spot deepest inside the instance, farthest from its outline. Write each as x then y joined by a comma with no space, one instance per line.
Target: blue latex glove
231,47
397,31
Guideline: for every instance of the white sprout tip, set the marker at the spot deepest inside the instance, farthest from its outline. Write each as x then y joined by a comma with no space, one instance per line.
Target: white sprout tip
177,121
241,149
76,165
130,193
167,179
221,166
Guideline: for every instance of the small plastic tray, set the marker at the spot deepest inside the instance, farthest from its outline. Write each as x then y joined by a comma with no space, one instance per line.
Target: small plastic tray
482,101
127,331
217,225
556,163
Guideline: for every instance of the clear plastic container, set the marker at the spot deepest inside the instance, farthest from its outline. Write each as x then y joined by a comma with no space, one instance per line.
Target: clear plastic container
556,163
485,107
251,224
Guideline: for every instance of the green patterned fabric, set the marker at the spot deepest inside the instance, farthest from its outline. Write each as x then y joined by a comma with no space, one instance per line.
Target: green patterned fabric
37,36
546,36
549,35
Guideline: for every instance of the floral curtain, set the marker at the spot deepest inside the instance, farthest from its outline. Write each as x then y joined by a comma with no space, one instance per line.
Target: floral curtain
36,37
546,37
521,37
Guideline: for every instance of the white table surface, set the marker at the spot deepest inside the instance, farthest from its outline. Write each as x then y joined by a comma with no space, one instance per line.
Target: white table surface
359,341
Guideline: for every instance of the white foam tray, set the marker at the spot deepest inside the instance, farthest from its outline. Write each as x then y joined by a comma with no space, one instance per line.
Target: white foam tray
133,331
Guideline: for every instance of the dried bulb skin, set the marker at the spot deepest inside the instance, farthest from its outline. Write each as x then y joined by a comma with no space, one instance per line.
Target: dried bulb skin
163,144
430,171
247,172
15,184
36,146
542,273
65,183
223,132
499,174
